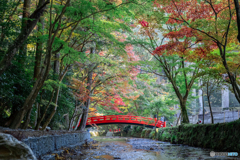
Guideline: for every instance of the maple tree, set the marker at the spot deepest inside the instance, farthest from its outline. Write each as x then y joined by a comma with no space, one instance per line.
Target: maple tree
215,23
175,57
192,30
109,78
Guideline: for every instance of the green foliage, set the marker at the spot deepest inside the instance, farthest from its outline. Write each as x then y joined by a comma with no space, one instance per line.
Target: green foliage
87,24
127,128
152,134
15,86
139,128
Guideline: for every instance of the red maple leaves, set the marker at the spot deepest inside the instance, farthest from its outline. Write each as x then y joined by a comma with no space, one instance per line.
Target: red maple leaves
143,23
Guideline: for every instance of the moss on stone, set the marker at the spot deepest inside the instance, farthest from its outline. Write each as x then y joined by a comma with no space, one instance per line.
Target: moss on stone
222,137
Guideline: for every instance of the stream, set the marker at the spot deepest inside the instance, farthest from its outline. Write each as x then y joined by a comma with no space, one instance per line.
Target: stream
108,148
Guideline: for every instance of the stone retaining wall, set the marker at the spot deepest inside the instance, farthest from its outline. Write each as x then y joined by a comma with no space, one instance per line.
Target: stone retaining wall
47,144
219,137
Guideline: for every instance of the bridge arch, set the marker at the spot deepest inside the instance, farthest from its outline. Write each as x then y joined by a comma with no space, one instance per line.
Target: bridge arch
124,119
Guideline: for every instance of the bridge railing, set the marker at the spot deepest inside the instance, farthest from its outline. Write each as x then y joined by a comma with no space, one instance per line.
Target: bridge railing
126,119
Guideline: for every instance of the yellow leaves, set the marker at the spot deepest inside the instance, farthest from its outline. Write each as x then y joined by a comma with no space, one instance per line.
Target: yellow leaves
31,46
125,84
117,2
60,2
57,157
56,2
133,97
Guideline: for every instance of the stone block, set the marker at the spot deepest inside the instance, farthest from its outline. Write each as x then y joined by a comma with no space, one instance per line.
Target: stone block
46,145
58,141
33,144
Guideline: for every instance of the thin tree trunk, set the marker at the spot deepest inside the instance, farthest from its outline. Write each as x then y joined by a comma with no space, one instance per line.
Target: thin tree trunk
74,116
203,107
73,119
56,64
238,17
56,99
37,67
39,109
84,116
53,112
36,114
22,37
39,48
231,75
26,14
56,72
87,104
155,127
26,122
178,119
40,119
209,103
78,121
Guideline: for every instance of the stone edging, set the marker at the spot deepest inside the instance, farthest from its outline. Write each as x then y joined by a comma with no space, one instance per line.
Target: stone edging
50,143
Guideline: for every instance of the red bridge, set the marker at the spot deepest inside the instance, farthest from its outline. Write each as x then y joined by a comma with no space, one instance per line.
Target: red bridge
122,119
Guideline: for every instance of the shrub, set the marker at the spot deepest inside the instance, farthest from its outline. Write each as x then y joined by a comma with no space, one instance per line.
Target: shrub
139,129
152,134
127,128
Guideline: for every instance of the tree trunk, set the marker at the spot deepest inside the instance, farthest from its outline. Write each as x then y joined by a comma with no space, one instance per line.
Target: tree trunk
231,75
25,15
78,121
53,112
56,64
84,116
184,112
209,103
178,119
27,120
155,127
87,104
56,99
36,114
74,116
203,108
40,118
36,88
238,17
22,37
56,72
39,49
